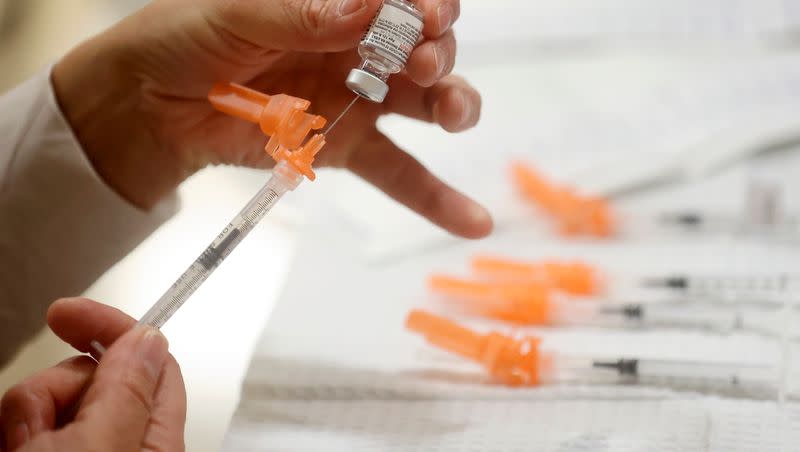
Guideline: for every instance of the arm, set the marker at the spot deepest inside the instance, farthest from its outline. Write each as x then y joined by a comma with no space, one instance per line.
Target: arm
61,226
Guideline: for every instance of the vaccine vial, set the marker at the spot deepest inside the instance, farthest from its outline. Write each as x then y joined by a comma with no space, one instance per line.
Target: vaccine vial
385,48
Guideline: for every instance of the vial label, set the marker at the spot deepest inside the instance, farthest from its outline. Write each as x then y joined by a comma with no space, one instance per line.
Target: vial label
394,33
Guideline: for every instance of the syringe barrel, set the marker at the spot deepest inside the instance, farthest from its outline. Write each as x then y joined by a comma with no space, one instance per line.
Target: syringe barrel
557,368
719,376
755,288
284,179
691,315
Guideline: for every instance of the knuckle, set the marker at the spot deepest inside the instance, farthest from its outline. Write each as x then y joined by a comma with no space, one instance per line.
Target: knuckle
22,394
309,15
13,397
226,17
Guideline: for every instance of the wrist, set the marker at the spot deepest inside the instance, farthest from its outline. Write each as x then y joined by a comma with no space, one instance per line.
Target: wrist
101,101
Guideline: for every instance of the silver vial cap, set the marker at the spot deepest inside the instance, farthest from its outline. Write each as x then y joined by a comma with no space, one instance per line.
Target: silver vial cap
367,85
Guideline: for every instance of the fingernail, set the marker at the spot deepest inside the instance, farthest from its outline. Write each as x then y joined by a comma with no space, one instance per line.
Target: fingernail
439,58
20,437
466,109
347,7
153,349
445,15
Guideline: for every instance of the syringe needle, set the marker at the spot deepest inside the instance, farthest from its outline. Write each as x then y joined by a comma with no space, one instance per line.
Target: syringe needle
669,282
341,115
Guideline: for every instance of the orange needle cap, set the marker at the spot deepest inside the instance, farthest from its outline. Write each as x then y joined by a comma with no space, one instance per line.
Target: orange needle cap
527,303
575,214
281,117
512,361
573,277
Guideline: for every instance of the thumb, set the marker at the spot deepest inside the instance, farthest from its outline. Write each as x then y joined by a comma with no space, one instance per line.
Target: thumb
303,25
117,406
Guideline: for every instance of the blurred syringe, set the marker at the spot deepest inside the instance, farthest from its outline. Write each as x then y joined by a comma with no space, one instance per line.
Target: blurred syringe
521,361
538,304
767,289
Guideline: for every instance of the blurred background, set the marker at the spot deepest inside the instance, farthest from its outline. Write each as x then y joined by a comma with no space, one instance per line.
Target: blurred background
35,33
574,85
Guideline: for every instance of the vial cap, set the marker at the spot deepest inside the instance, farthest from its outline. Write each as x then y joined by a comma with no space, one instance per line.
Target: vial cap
367,85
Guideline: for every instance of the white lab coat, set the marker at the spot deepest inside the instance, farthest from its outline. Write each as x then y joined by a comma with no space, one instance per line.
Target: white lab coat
61,227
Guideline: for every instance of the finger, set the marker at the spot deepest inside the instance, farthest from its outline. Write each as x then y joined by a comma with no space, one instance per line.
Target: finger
399,175
305,25
35,404
169,411
119,403
440,15
432,60
451,103
79,321
165,432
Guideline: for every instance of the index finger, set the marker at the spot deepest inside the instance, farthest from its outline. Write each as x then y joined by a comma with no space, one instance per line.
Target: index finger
401,176
79,321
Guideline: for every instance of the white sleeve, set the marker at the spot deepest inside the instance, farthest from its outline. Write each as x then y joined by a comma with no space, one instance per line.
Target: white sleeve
61,227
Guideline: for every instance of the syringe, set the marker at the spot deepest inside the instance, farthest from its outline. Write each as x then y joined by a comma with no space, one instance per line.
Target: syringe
522,361
581,279
284,179
688,315
709,222
284,119
538,304
770,289
763,215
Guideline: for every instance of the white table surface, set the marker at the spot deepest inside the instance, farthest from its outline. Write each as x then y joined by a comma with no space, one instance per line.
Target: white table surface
335,297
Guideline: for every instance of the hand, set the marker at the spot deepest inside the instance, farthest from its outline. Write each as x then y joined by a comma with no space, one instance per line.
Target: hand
133,400
136,95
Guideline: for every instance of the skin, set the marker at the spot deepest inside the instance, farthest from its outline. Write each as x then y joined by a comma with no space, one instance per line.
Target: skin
133,400
136,95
